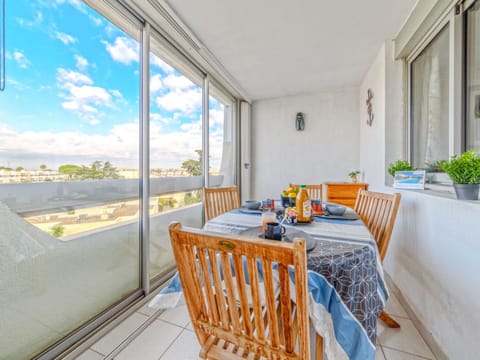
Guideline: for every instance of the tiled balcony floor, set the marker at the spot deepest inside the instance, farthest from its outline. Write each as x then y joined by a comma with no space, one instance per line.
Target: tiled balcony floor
170,336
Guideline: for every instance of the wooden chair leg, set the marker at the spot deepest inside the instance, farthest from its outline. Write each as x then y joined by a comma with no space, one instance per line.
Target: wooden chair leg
318,347
387,319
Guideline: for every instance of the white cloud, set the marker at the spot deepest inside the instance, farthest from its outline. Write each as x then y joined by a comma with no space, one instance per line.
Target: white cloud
32,23
177,83
186,101
21,59
156,61
95,20
156,83
216,117
119,145
116,93
64,38
158,118
67,77
81,97
77,4
124,50
81,62
94,94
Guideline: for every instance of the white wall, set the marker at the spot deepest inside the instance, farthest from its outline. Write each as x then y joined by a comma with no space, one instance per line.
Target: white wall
372,138
325,151
433,253
433,260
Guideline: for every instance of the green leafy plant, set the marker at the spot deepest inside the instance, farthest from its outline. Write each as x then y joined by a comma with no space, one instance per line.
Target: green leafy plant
57,230
399,165
353,173
463,169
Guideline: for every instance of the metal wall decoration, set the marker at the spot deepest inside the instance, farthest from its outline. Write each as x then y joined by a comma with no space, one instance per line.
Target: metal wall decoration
300,122
369,107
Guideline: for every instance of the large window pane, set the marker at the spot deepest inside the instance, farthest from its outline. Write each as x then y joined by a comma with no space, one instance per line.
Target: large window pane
221,140
473,77
69,160
429,103
175,151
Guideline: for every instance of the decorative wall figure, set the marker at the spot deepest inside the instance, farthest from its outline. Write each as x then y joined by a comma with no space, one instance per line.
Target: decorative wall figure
300,122
369,107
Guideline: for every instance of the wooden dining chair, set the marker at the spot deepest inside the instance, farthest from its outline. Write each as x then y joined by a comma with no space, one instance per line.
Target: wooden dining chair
220,200
378,211
239,292
314,191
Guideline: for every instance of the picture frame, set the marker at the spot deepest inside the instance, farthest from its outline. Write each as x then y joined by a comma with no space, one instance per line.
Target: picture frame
414,179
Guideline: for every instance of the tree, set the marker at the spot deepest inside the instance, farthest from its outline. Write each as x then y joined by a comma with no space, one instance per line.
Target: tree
57,230
43,167
192,197
71,170
194,167
97,170
19,168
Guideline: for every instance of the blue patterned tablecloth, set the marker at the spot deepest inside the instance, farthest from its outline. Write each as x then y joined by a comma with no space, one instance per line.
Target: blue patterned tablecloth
345,280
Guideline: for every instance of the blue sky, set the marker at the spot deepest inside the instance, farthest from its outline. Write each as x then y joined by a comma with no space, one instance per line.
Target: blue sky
72,93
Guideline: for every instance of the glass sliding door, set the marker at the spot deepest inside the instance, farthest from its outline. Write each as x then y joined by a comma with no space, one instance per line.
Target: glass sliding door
221,138
69,171
175,149
473,77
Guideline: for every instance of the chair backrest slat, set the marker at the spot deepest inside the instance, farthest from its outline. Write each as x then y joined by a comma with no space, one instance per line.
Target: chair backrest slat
220,200
378,211
315,191
239,293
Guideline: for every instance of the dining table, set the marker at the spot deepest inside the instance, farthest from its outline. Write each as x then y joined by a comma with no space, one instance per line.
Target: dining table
346,286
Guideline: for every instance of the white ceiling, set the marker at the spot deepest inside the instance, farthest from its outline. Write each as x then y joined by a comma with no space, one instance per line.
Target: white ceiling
278,48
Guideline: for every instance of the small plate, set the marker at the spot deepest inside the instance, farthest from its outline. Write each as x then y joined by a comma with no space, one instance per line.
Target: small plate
346,216
289,235
249,211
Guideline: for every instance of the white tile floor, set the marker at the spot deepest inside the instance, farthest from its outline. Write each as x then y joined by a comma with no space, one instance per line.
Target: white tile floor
170,337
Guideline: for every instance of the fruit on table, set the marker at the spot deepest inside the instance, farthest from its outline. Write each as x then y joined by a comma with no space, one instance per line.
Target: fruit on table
290,192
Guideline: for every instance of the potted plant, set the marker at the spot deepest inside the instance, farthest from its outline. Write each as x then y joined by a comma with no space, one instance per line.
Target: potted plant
353,174
399,165
464,170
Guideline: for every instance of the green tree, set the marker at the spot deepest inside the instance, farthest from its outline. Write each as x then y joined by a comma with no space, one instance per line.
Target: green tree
43,167
172,202
71,170
57,230
97,170
192,197
194,167
19,168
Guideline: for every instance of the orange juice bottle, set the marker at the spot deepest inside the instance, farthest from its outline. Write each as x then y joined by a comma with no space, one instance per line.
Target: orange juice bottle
304,205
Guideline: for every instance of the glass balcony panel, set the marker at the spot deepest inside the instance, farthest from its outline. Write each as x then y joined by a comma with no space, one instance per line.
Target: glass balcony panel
175,151
69,192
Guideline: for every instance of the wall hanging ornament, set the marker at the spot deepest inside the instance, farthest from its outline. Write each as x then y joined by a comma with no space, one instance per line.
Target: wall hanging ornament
369,107
300,122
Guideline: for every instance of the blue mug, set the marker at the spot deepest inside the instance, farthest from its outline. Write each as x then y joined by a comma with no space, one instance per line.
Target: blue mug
274,231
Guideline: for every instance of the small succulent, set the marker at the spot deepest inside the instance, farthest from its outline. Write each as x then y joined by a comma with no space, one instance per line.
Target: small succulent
353,173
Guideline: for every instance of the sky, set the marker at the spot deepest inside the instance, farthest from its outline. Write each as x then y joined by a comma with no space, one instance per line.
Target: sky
72,94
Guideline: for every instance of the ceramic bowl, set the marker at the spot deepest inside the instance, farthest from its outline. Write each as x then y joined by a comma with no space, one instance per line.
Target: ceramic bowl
337,210
252,204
